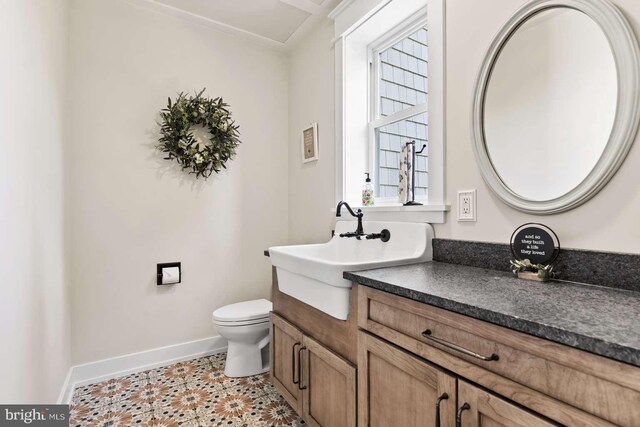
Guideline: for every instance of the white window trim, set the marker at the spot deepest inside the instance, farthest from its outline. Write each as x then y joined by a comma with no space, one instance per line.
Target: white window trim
348,17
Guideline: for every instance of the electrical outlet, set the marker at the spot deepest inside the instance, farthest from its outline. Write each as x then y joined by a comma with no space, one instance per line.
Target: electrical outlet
467,205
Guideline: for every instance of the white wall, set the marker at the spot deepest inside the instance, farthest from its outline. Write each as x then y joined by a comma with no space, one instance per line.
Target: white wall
129,209
34,308
311,185
607,222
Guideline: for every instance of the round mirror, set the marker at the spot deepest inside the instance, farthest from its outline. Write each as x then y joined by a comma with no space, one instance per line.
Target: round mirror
553,115
552,97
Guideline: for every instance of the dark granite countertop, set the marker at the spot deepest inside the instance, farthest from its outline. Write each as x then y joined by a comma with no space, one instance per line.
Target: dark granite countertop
600,320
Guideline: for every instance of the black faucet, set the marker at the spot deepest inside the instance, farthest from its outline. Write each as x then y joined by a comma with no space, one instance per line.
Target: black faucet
359,231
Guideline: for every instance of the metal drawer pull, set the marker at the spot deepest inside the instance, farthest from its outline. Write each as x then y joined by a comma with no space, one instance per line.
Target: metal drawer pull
459,414
428,335
300,386
293,364
443,396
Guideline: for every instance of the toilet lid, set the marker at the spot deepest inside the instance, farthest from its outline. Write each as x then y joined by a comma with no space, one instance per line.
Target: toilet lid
242,311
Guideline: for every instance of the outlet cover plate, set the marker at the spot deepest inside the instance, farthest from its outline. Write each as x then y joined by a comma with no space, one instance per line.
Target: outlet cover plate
467,205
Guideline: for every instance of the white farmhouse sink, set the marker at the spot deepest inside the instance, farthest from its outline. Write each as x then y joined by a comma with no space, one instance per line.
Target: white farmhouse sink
313,273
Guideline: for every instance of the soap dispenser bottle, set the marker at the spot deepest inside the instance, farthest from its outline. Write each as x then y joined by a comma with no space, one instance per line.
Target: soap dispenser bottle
367,192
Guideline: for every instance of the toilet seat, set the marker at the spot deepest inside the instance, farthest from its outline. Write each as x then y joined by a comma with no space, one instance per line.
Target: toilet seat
242,322
243,313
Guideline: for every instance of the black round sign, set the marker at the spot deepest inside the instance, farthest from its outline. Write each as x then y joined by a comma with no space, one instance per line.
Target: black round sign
535,243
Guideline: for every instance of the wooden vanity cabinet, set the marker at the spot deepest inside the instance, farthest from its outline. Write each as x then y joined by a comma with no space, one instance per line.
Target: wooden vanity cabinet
505,377
409,354
317,383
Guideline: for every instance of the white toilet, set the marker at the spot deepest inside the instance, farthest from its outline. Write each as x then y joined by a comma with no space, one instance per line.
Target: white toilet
245,325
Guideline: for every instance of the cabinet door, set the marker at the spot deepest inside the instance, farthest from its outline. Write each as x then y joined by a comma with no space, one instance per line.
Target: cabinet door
329,385
478,408
398,389
286,344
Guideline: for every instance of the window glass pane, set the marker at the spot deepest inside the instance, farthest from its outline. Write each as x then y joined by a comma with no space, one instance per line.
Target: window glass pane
389,142
403,74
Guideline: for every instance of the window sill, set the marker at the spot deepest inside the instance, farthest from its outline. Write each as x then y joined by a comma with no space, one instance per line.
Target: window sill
434,214
402,208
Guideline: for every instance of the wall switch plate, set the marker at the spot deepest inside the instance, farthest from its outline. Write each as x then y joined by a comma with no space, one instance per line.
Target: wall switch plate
467,205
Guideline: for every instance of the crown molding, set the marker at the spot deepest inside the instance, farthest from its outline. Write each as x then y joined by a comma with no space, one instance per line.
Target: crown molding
340,8
304,5
317,14
313,22
211,23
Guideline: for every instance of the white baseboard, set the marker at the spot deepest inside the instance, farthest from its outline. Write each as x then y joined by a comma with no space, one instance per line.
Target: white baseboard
105,369
67,388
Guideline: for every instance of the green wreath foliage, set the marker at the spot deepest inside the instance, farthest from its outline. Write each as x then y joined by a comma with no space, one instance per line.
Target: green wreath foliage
177,139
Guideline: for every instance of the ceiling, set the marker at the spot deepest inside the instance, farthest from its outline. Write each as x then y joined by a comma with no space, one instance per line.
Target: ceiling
277,22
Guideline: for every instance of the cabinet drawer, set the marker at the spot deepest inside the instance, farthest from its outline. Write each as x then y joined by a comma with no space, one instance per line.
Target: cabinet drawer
608,389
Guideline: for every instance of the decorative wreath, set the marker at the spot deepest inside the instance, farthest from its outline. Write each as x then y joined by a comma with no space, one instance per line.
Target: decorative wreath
179,143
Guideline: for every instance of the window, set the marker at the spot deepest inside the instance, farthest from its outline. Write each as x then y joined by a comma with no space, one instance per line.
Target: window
398,75
389,90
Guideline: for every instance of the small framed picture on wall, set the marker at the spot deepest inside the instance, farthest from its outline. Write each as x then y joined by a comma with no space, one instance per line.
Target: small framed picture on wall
310,143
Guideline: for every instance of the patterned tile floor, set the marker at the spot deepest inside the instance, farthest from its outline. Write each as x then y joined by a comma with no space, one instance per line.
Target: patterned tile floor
195,393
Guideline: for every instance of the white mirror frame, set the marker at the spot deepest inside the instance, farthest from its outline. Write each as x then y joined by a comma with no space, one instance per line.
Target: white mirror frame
626,53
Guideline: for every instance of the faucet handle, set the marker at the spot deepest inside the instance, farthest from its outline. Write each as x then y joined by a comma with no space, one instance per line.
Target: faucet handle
384,235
